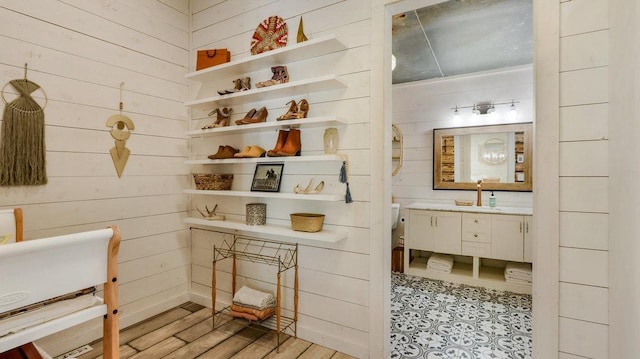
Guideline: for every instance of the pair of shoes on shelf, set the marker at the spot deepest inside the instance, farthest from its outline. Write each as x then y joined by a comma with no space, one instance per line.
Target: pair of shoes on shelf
242,84
296,110
309,189
288,144
251,152
280,76
254,116
222,118
223,152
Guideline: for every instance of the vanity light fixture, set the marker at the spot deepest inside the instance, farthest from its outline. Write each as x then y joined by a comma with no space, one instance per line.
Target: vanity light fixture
456,114
513,114
485,108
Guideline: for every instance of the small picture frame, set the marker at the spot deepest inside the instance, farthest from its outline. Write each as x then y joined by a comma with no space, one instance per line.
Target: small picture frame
267,177
519,157
519,176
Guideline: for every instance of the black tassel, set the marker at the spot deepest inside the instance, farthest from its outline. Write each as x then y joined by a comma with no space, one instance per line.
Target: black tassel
343,173
347,196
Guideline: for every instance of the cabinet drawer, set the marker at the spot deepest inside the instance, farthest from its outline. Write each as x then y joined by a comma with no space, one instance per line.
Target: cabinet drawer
476,222
476,249
471,236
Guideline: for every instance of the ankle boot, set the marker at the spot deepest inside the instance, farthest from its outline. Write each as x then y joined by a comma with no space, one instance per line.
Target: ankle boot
293,146
282,139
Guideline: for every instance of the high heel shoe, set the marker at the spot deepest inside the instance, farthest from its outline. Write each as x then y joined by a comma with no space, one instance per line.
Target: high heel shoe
245,83
258,116
222,118
303,108
282,139
308,189
280,76
293,146
237,86
291,113
246,117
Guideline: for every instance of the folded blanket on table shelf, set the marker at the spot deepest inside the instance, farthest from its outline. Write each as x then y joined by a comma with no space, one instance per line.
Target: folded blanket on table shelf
247,316
517,281
253,298
440,263
260,314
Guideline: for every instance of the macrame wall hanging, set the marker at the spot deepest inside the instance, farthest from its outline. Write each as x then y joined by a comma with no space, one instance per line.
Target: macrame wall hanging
121,126
22,147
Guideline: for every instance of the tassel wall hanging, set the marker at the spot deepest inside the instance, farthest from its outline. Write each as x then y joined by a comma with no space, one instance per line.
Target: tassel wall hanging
22,146
344,178
121,126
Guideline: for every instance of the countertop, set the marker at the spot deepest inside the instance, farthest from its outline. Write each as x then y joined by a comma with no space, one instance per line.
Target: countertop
524,211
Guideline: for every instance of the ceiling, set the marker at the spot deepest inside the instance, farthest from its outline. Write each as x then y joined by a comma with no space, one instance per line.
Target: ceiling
460,37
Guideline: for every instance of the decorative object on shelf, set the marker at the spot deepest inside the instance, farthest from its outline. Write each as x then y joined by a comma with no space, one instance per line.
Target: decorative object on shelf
460,202
301,36
256,214
296,110
330,140
344,179
208,58
254,116
120,133
292,144
211,214
307,222
271,33
309,189
22,145
242,84
251,152
280,76
223,152
267,177
213,181
222,118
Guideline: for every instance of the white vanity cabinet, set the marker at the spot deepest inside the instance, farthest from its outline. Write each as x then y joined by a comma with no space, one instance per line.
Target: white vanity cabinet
435,231
473,234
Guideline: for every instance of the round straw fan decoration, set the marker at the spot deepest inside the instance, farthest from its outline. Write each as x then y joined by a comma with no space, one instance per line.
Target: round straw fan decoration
270,34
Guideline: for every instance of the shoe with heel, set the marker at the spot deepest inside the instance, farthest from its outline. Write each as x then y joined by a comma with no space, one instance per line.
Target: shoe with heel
280,76
222,118
292,146
296,110
256,116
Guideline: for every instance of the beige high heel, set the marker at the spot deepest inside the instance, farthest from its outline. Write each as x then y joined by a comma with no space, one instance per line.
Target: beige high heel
308,189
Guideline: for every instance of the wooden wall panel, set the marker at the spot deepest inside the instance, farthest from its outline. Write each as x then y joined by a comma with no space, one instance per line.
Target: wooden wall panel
583,266
580,16
583,87
589,340
584,230
79,52
588,122
584,51
583,302
584,158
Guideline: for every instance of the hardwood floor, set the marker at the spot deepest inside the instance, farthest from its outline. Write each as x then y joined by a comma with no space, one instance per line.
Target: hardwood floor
187,332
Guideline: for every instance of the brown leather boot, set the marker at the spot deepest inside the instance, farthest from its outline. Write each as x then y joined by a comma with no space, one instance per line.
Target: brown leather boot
293,146
282,139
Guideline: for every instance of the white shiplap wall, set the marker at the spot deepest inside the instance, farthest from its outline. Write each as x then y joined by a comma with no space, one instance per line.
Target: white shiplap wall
419,107
584,193
79,52
334,279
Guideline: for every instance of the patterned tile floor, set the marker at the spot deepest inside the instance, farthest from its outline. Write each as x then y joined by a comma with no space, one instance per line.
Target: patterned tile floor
435,320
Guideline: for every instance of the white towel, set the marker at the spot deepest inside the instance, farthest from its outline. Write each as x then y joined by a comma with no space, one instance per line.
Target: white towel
253,298
517,268
441,259
519,276
517,281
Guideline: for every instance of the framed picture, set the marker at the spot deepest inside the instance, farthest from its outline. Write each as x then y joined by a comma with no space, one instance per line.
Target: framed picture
267,177
520,158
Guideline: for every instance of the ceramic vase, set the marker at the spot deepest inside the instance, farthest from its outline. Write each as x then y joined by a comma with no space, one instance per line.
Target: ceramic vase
331,141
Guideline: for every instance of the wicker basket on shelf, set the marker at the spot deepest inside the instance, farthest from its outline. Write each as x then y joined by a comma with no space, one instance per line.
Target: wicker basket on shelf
306,222
213,181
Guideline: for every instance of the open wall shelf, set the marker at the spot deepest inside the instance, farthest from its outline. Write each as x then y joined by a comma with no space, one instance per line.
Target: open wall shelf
280,195
265,159
310,122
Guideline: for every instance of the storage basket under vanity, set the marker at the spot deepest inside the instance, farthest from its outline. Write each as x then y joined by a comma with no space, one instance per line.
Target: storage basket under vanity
307,222
256,214
213,181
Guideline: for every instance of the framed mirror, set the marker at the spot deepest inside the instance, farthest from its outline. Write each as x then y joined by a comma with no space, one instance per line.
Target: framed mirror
499,155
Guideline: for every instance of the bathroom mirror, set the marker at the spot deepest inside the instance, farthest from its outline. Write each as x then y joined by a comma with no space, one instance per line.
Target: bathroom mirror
499,155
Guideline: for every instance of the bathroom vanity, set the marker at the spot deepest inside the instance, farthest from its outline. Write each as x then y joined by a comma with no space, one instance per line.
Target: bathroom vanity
481,239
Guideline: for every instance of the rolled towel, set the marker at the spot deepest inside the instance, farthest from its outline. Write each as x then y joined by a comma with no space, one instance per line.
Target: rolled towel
253,298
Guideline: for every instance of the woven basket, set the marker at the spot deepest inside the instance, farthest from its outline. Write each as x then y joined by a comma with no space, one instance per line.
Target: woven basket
306,222
213,181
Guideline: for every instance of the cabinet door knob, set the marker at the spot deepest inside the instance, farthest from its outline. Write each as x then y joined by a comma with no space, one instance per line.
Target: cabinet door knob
520,227
475,220
475,235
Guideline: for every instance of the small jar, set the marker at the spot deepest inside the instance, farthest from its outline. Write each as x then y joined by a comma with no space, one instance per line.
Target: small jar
256,214
331,141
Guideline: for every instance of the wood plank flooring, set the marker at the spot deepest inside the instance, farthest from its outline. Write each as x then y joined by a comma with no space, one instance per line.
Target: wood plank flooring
187,332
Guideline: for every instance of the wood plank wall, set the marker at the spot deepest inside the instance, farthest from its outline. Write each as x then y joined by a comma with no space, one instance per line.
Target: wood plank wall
79,52
584,191
419,107
334,279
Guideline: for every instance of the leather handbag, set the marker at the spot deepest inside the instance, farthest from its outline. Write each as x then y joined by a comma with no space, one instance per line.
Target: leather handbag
208,58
